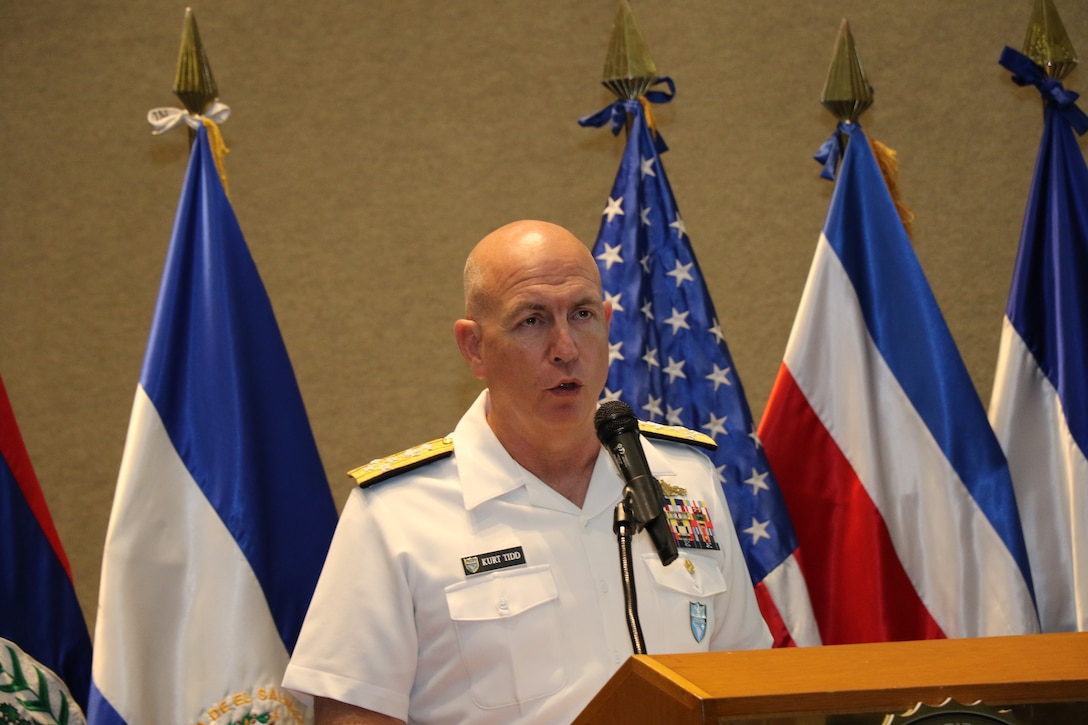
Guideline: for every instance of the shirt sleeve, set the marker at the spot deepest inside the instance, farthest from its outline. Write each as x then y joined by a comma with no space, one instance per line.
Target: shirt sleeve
355,647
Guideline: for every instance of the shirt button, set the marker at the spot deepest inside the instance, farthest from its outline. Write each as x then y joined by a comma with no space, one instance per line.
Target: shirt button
503,604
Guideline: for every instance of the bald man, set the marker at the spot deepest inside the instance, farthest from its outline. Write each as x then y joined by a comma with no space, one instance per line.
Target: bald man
475,578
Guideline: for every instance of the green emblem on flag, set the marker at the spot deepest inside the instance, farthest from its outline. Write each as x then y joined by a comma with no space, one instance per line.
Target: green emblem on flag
31,694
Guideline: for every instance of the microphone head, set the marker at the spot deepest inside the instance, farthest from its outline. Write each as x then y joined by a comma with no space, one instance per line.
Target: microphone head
613,418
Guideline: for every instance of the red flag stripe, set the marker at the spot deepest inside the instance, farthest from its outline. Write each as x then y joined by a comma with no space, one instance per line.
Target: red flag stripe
855,579
14,452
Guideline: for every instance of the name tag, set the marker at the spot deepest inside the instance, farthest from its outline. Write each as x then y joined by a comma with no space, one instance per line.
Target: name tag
493,560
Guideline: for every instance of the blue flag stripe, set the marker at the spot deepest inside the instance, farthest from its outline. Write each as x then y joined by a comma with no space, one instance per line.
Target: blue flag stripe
38,607
219,375
907,327
1048,302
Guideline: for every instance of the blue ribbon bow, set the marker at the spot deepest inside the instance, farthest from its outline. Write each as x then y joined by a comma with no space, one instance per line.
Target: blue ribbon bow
831,151
616,113
1026,72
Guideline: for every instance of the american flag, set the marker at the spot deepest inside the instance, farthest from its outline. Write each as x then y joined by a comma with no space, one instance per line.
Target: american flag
670,362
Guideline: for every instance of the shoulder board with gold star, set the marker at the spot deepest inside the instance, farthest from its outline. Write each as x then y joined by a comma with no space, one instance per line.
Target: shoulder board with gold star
382,468
676,433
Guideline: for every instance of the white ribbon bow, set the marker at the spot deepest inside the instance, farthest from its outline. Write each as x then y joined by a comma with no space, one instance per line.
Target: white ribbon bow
164,119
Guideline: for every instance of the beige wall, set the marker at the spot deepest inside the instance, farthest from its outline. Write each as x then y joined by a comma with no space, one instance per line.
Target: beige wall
373,142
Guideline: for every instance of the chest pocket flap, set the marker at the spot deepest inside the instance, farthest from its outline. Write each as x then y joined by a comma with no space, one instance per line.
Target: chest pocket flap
689,575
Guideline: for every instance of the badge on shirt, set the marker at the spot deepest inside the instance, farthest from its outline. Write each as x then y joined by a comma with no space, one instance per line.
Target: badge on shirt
697,614
492,560
690,523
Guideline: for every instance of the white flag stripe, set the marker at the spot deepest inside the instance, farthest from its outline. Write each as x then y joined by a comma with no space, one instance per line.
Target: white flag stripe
174,581
786,583
1050,478
860,402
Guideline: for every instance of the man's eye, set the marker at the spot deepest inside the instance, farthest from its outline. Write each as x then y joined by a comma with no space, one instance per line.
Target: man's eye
531,321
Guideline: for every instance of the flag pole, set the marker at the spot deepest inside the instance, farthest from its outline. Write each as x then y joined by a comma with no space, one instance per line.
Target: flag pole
629,71
1047,43
194,84
847,92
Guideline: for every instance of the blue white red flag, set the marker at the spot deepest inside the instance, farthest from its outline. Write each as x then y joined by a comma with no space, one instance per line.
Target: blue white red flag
1039,404
222,514
669,361
43,635
898,489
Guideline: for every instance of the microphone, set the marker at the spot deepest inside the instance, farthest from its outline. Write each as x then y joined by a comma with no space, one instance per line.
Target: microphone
617,429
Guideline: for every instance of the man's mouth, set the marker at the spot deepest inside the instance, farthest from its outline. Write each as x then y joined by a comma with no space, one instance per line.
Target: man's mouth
567,386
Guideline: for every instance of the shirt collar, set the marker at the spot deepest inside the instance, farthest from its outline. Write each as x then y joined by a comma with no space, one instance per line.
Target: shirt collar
491,472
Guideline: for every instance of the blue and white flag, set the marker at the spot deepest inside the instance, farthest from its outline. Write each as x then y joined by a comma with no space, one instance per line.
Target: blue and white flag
222,515
1039,404
669,361
45,649
898,489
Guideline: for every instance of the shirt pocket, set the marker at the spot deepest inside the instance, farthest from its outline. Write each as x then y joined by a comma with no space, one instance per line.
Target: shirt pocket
677,614
508,632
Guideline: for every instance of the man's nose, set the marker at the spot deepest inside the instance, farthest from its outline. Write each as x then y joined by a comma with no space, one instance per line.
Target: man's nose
564,349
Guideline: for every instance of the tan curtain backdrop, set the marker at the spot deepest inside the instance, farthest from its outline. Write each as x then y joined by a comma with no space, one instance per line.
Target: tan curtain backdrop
372,143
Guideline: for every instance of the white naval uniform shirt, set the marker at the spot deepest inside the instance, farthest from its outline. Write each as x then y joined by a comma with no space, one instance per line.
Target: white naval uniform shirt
398,626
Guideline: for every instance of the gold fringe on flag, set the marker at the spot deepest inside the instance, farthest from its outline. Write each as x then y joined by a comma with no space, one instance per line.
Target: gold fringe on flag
889,169
219,150
646,109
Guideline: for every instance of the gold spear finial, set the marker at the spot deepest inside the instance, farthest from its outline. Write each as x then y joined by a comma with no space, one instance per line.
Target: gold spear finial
193,84
1047,43
628,70
846,92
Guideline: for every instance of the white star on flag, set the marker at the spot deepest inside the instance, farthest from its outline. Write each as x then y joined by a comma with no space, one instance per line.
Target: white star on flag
672,416
758,530
647,310
610,256
614,208
609,395
719,377
678,225
716,331
614,299
682,272
675,369
716,426
758,482
678,320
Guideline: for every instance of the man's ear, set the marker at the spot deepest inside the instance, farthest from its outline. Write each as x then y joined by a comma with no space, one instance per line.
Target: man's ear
469,342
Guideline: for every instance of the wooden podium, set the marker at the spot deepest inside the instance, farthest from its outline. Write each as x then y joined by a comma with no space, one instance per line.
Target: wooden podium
816,684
